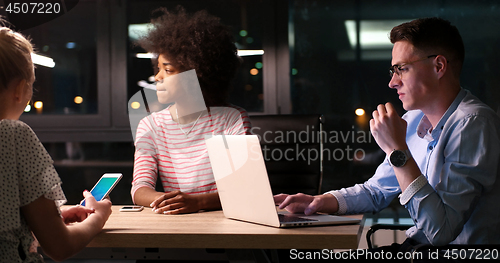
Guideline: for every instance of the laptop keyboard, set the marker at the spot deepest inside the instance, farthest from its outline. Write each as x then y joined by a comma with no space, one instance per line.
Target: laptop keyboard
292,218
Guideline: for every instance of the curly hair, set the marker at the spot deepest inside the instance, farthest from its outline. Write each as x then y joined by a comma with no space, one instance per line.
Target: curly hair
434,35
196,41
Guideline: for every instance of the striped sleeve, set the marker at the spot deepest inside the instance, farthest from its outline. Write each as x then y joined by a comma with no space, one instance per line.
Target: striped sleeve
145,161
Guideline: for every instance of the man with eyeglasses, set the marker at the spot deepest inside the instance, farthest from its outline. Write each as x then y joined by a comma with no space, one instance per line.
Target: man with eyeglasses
443,155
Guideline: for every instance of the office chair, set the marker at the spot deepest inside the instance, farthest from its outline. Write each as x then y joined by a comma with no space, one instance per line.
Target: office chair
292,147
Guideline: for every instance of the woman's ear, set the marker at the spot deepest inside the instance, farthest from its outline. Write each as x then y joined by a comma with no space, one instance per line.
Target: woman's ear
14,99
22,91
19,89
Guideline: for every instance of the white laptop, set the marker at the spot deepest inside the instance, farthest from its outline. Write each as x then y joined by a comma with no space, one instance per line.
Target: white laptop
243,185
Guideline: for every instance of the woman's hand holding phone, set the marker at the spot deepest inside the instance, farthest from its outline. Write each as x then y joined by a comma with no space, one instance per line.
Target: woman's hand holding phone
101,208
75,213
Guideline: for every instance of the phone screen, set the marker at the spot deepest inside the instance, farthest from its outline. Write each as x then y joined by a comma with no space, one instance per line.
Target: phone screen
102,188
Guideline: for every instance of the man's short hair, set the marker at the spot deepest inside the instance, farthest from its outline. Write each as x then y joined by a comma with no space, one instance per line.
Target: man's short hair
433,35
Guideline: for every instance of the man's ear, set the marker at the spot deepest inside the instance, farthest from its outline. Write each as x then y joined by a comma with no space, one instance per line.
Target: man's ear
440,65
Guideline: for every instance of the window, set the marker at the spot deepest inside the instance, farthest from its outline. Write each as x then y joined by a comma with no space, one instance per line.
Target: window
75,92
69,85
332,74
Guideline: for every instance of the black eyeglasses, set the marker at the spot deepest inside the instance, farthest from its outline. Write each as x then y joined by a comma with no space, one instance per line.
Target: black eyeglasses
396,69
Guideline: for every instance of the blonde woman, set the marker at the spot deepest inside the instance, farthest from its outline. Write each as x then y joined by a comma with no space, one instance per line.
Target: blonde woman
30,188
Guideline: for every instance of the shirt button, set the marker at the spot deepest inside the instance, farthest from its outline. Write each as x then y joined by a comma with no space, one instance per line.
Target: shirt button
430,147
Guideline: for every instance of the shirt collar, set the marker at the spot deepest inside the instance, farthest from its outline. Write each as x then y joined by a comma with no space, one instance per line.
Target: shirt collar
425,129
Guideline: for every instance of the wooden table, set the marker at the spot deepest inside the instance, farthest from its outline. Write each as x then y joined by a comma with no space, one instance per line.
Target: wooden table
212,230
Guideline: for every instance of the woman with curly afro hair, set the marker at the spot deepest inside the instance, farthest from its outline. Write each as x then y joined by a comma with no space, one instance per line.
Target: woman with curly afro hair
197,60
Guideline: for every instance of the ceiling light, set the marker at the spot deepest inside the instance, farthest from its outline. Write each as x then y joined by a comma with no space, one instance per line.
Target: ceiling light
243,53
374,34
42,60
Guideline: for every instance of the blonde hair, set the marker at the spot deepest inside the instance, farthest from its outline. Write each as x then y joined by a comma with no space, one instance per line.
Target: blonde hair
15,58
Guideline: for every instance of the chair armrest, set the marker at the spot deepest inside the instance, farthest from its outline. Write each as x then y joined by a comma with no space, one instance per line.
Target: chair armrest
383,226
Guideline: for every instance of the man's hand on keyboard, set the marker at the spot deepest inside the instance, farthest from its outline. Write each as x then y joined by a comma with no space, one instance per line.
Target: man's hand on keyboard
307,204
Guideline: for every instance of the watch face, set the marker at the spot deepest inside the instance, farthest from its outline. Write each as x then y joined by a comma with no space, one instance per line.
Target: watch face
397,158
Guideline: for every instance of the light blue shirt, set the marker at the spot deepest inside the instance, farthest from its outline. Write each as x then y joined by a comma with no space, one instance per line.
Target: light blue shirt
457,197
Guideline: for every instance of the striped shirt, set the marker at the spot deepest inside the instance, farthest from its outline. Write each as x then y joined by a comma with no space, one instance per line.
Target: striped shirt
181,160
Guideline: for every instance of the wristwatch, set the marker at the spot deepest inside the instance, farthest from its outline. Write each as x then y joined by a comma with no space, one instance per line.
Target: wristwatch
398,158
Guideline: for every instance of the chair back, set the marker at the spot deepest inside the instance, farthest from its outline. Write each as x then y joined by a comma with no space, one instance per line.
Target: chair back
292,147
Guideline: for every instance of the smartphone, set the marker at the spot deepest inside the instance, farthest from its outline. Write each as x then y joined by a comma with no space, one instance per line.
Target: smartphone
104,186
133,208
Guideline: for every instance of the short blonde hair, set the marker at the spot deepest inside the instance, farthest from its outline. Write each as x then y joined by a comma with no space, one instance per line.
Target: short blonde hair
15,58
